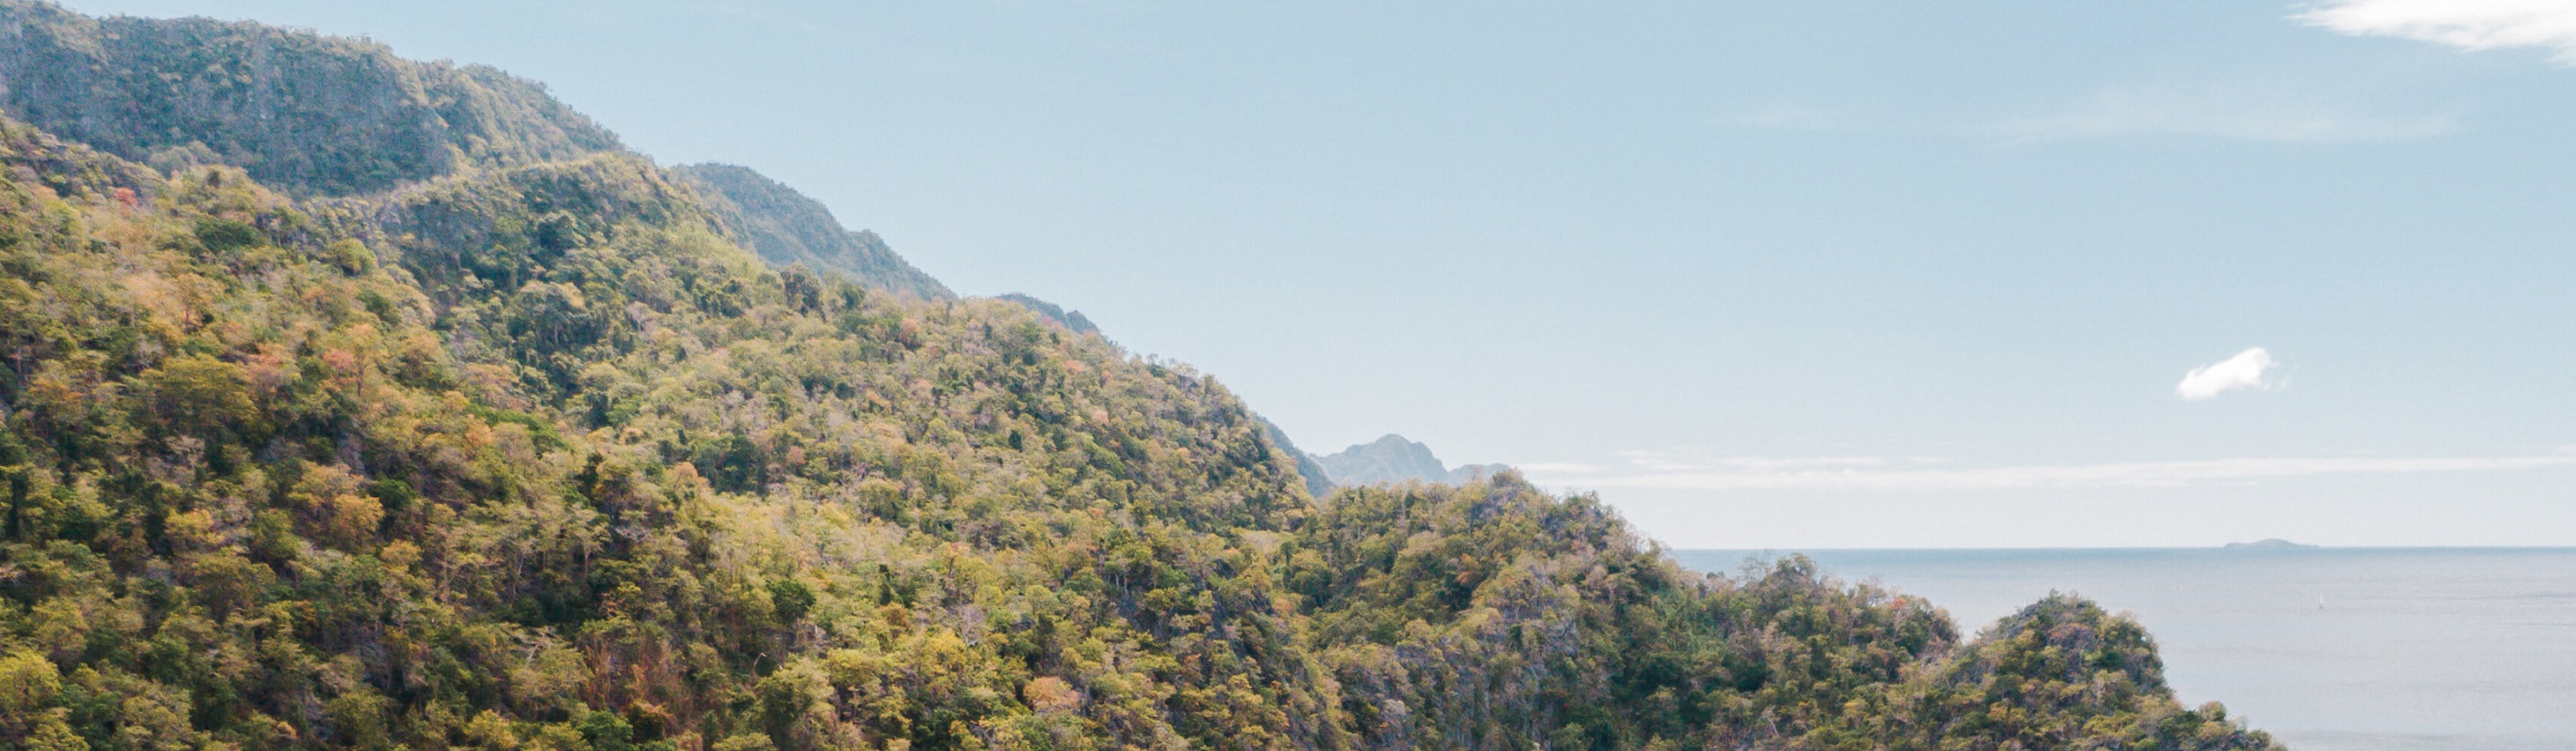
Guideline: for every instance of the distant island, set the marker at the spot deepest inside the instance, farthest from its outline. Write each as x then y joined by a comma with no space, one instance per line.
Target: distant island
2269,543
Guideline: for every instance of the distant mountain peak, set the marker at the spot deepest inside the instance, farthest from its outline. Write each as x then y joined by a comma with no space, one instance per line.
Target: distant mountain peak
1394,458
1053,313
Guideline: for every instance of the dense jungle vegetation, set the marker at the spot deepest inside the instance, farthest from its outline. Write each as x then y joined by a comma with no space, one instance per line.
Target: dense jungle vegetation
445,423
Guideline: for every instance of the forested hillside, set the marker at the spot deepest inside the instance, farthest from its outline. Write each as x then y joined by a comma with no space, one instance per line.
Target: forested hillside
533,453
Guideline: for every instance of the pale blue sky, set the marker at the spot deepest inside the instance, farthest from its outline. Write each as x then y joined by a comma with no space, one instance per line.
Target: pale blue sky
1765,274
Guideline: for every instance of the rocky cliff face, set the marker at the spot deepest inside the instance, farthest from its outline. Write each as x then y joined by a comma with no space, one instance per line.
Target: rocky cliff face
309,114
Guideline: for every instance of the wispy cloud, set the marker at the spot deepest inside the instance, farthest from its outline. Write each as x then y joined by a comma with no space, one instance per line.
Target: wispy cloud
2120,474
2219,112
1799,462
1693,459
1558,468
1660,461
2465,24
2244,371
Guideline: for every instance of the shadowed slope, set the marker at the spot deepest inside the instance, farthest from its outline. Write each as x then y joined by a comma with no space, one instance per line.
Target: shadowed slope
787,227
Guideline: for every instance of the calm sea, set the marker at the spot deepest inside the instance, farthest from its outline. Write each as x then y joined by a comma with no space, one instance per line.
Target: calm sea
2330,650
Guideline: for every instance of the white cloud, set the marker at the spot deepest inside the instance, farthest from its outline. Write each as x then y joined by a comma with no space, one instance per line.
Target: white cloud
1766,462
2272,116
1693,458
1658,461
2243,371
2465,24
2121,474
1557,468
1705,469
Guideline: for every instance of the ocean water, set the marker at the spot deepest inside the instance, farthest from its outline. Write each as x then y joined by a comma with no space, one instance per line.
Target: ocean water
2362,649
